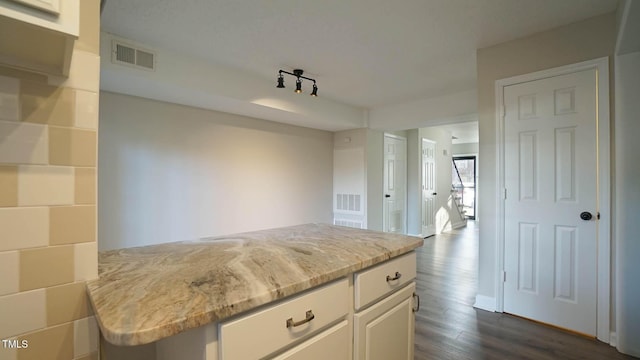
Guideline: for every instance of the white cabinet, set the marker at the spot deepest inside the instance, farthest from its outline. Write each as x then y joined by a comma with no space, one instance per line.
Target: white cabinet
386,329
38,35
384,322
49,6
367,315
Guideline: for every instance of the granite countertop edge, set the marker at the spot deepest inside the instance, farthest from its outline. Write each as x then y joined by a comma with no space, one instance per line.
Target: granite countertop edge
129,325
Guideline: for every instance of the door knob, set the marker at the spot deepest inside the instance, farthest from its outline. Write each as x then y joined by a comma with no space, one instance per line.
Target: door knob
387,195
585,215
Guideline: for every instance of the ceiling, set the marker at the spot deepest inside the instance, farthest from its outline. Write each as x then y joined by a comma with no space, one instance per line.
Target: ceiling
462,133
364,53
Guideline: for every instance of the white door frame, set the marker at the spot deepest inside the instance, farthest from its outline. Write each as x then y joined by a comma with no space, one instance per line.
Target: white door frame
406,189
603,162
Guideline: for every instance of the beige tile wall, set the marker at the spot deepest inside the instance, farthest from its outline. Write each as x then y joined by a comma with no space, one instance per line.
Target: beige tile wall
48,134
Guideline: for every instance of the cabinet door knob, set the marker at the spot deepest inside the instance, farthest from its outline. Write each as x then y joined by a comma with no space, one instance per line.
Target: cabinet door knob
308,317
396,277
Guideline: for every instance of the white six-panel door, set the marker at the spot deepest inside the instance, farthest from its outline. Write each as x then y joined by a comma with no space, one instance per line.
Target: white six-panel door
550,179
428,187
394,183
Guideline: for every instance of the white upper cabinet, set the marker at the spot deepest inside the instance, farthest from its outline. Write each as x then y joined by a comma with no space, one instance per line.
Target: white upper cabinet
38,35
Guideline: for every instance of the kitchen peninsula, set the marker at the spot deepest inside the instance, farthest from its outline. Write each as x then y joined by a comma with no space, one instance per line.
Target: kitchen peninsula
297,292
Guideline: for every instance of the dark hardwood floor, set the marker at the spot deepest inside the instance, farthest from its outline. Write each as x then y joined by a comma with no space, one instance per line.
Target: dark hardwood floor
448,327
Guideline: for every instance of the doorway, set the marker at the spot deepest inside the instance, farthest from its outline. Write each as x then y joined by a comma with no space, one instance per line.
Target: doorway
464,183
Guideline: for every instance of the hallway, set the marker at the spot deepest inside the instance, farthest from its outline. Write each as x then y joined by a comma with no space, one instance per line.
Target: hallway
448,327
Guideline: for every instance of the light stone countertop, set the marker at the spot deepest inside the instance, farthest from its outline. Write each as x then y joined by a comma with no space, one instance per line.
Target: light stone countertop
144,294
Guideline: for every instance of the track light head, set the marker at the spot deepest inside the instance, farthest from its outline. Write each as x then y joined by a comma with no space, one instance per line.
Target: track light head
298,86
315,90
280,82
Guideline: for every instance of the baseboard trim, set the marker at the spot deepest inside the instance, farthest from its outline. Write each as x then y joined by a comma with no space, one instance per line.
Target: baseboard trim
458,225
485,303
613,339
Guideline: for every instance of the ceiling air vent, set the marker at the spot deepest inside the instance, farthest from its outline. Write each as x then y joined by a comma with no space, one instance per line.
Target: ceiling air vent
126,54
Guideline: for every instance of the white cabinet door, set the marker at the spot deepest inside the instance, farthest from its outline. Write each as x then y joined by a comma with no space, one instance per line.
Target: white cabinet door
386,330
52,6
331,344
60,16
26,30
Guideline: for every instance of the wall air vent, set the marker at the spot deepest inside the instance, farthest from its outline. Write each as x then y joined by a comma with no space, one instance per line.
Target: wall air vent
127,54
348,223
348,202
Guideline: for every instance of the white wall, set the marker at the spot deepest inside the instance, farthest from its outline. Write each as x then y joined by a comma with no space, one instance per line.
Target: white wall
451,108
375,170
169,172
589,39
350,177
627,195
414,186
465,149
358,168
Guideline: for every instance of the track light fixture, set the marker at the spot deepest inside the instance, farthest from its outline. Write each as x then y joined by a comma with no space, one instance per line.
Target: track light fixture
298,74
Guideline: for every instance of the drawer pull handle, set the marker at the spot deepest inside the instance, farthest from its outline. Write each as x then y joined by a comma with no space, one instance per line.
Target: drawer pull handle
417,297
396,277
309,316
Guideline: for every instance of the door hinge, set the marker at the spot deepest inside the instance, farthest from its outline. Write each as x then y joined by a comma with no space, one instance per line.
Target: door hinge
598,216
504,111
504,276
504,195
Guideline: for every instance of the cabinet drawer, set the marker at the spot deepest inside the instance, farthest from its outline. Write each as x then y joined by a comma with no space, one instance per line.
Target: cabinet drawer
333,344
261,333
380,280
